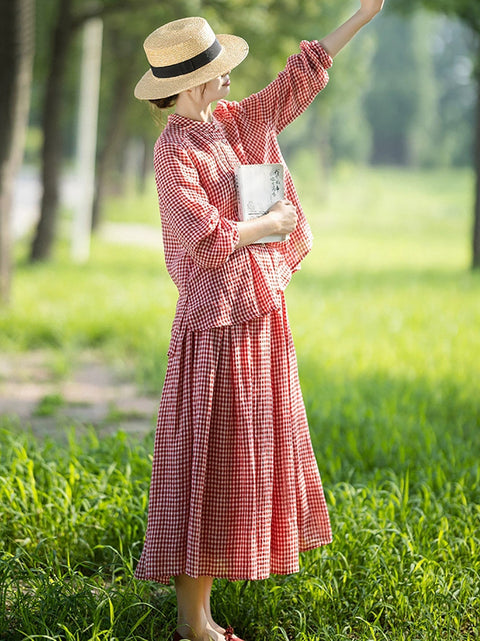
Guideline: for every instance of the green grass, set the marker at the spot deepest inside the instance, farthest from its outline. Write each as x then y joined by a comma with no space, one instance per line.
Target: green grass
49,405
120,303
134,208
385,314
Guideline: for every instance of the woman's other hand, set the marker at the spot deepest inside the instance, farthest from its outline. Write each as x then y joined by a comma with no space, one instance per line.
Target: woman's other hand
283,216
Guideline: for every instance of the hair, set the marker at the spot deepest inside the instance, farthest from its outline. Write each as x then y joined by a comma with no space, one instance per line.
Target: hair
165,103
158,106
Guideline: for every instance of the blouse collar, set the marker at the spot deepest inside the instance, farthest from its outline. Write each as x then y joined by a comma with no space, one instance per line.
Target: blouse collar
182,122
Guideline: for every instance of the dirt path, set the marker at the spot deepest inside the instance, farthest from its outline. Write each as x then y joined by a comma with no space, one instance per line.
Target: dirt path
36,393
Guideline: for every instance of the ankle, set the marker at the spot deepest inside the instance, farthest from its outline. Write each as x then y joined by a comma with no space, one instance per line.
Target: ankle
194,633
186,631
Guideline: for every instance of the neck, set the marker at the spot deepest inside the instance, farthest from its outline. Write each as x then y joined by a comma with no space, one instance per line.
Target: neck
189,108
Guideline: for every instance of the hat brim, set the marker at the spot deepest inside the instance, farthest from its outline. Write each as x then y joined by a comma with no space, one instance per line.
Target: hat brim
234,50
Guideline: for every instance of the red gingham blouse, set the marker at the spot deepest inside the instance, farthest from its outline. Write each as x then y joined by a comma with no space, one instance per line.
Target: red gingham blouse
195,167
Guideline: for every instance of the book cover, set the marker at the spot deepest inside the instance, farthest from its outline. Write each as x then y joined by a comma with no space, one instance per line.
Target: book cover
258,188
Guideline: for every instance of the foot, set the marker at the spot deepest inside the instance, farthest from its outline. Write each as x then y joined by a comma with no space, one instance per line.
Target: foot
214,627
208,635
225,634
230,635
212,635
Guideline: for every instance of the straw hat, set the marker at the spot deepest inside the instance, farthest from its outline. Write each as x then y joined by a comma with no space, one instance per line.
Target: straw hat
184,54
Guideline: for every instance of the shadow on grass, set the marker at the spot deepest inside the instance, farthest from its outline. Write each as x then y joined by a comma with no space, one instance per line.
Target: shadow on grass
362,427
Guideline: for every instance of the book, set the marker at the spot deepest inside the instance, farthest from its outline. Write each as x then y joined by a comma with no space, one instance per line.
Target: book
258,188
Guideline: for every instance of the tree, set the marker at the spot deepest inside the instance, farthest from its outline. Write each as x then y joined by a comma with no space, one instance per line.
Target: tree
454,55
51,150
118,101
16,60
469,12
402,113
71,15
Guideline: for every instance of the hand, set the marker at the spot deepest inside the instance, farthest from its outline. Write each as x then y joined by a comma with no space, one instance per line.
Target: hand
337,39
283,215
370,8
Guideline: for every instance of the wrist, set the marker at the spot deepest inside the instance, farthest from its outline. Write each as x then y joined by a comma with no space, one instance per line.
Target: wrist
271,223
365,15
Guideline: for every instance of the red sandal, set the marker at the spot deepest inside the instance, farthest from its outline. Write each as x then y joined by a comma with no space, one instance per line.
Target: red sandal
230,636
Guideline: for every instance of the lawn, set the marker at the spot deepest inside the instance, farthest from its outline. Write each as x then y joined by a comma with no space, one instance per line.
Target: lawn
385,314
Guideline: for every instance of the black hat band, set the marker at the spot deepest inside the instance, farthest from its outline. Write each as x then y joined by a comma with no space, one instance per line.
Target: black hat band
192,64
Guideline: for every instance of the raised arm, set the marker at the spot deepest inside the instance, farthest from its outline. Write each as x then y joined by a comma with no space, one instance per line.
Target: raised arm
336,40
284,99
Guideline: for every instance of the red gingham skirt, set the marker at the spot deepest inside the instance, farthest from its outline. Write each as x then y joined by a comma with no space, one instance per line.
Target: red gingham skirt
235,489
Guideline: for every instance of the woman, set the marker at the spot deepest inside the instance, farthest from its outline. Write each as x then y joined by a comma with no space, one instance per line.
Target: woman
235,489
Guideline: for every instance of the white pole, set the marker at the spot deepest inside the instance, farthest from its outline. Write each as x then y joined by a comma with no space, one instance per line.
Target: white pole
87,138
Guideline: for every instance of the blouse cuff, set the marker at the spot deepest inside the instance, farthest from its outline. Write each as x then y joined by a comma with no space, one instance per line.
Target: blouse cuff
215,249
316,48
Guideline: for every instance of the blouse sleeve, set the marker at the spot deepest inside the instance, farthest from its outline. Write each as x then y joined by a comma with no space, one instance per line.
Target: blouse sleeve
206,236
293,90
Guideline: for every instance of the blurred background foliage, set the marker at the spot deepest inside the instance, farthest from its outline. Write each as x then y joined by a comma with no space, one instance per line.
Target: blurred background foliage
402,93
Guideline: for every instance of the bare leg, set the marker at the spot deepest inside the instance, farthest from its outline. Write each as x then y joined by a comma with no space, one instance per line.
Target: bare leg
207,589
192,621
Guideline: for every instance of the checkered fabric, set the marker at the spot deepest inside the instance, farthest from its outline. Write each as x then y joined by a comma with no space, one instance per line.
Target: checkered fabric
235,489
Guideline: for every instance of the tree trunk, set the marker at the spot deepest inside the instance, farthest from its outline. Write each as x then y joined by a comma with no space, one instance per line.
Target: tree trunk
113,138
52,136
476,215
147,166
16,60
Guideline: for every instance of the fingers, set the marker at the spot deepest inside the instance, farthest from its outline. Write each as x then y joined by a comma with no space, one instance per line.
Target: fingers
285,215
291,213
284,201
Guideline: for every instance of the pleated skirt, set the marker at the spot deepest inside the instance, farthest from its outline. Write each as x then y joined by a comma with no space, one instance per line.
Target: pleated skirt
235,488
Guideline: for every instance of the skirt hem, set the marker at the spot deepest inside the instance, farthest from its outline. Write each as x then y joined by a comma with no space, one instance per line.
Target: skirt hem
165,579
